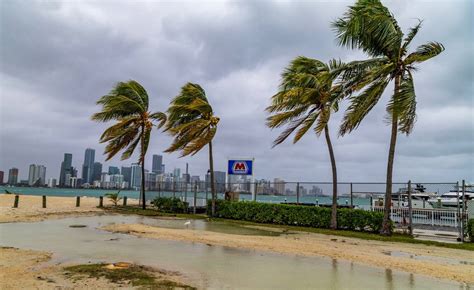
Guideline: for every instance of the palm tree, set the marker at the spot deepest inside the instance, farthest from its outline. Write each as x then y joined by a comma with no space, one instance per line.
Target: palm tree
193,124
127,104
307,96
369,26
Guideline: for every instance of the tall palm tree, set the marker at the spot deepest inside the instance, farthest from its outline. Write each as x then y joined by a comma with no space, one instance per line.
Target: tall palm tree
369,26
193,124
127,105
307,96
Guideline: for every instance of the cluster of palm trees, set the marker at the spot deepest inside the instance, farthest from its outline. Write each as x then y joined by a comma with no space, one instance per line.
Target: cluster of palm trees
309,92
190,120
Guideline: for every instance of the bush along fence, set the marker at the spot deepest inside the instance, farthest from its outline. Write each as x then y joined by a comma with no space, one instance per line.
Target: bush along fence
306,216
170,205
470,229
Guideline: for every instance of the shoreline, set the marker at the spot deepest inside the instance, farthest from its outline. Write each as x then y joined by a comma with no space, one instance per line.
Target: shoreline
30,207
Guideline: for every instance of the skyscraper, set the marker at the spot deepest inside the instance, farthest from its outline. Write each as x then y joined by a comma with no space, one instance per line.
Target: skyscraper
88,166
36,175
127,174
114,170
176,174
66,168
1,177
97,171
13,176
136,176
157,164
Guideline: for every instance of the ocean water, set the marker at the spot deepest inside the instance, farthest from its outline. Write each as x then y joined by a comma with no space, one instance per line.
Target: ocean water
200,196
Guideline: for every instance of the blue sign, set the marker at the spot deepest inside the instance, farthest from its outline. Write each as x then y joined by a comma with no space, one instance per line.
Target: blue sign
240,167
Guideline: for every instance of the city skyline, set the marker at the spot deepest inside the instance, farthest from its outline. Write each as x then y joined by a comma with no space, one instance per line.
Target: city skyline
239,87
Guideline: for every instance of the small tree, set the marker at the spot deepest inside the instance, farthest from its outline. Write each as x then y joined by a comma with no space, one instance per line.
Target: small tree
114,197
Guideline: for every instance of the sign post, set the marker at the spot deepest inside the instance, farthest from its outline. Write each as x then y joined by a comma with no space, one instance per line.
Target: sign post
242,167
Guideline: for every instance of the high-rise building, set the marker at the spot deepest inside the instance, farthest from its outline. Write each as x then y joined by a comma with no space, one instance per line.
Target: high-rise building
127,174
163,169
136,176
279,185
176,174
13,176
88,166
97,171
219,180
66,168
52,182
1,177
37,175
114,170
157,164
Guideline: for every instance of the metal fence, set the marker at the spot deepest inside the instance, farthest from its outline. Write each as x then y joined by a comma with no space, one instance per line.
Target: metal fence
413,203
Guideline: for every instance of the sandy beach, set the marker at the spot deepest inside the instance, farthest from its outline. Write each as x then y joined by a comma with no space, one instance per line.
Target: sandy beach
30,207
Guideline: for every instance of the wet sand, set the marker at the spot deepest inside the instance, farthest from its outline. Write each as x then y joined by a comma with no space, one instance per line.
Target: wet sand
27,269
443,263
30,207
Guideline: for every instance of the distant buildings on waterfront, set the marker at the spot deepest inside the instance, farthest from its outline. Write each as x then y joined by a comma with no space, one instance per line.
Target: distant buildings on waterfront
95,175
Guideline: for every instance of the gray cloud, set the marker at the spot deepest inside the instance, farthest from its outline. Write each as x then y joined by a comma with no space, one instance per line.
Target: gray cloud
57,58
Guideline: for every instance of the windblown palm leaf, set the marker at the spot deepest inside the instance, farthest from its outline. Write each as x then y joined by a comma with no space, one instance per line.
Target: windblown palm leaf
369,26
127,105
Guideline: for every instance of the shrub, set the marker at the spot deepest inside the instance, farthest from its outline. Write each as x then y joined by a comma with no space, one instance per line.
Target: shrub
170,204
114,197
306,216
470,229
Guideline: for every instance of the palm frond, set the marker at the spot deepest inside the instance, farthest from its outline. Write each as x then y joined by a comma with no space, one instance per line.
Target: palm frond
403,104
360,105
368,25
424,52
411,34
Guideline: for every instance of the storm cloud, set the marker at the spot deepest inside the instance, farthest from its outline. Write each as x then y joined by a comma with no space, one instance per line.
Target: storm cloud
57,58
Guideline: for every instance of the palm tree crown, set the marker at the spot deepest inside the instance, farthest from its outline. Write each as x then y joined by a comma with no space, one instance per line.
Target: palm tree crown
307,95
191,120
370,26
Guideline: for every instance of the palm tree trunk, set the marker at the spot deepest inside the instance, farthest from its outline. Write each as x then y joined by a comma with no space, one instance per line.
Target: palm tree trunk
386,224
334,180
142,161
213,186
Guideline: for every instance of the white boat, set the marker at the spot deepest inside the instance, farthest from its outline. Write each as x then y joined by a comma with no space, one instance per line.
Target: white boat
451,199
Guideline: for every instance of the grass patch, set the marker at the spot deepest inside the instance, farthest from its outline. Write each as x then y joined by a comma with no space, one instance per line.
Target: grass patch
399,238
152,212
139,276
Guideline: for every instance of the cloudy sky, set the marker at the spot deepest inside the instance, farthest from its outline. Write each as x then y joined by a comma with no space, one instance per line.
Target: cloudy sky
57,58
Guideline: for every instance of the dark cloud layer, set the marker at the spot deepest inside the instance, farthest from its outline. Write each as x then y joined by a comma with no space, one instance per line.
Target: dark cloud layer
57,58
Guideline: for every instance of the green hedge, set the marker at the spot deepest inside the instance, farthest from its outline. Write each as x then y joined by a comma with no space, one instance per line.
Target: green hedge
306,216
470,229
170,205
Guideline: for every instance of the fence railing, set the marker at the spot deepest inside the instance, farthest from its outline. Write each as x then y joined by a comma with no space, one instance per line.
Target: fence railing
431,217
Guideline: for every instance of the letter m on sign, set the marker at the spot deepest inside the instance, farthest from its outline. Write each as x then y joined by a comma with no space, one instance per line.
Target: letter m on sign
240,167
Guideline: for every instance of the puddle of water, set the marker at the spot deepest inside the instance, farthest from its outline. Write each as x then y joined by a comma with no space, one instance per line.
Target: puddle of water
212,267
220,227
